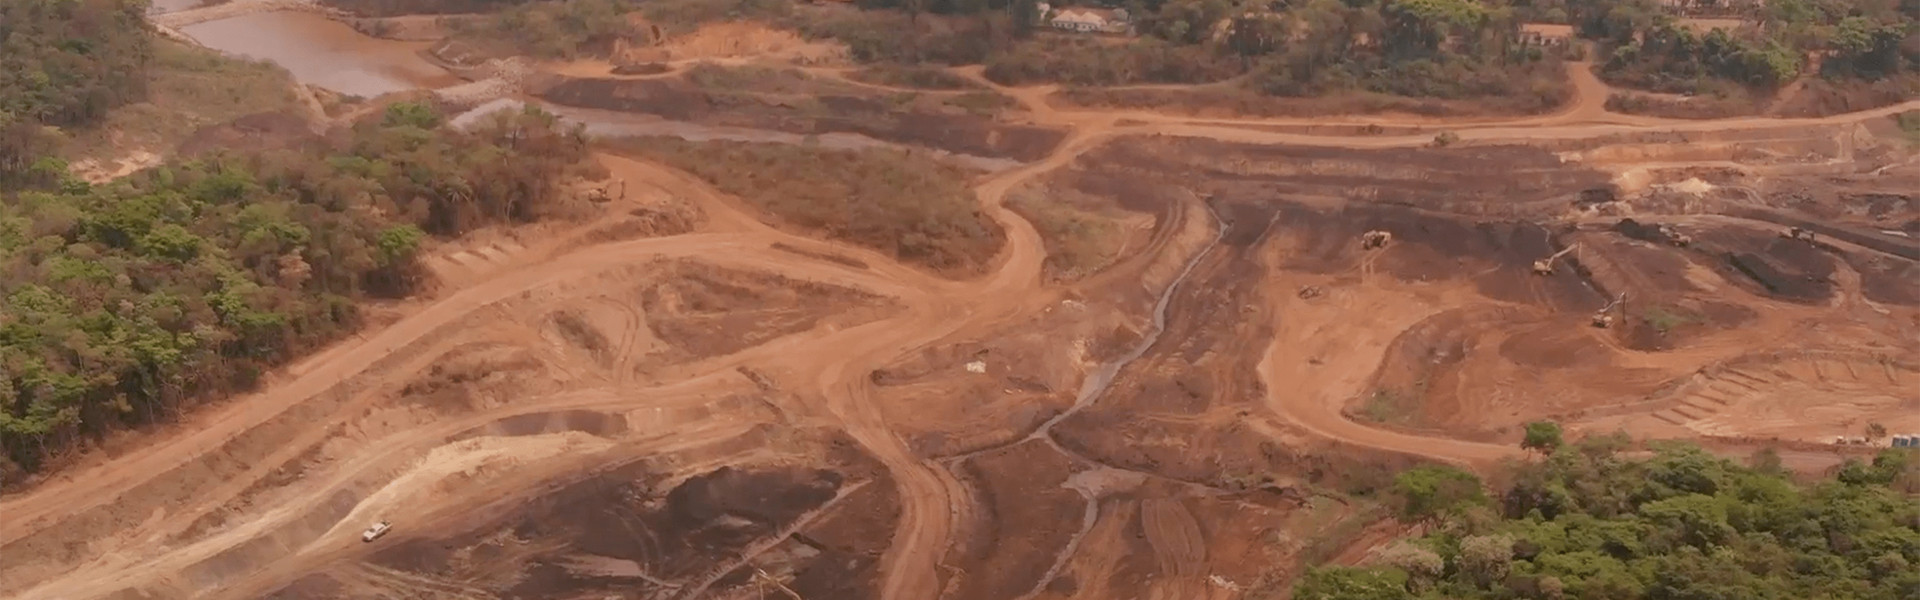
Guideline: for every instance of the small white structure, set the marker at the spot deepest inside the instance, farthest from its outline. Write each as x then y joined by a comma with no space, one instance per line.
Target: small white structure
377,530
1086,20
978,366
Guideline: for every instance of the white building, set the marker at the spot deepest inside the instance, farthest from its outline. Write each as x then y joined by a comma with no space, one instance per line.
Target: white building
1086,20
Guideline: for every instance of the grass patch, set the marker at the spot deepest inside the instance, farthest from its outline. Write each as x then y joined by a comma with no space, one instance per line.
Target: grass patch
915,76
1909,123
1079,242
1721,103
984,104
189,88
1239,100
765,80
916,208
1395,406
1668,318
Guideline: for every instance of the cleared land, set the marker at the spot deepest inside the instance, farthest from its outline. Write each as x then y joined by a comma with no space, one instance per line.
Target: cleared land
676,397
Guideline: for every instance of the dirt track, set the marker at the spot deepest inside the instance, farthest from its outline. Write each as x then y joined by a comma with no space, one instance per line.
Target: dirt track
822,375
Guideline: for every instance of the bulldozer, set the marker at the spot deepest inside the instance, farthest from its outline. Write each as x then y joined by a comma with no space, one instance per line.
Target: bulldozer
1603,318
1375,239
1544,266
1796,233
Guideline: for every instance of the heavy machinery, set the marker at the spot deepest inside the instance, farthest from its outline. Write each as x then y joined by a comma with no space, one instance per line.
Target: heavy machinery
1311,291
1545,266
1674,236
1796,233
1603,318
605,193
377,530
1375,239
761,580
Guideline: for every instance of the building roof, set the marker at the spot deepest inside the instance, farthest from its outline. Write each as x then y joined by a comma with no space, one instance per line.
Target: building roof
1090,15
1547,30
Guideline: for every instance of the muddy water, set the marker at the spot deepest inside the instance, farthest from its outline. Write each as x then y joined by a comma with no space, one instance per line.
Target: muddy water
324,53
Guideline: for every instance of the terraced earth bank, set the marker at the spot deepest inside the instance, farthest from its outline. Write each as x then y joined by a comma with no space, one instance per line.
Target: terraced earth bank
675,399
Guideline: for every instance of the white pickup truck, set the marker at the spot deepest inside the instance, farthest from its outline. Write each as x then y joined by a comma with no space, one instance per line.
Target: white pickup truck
374,532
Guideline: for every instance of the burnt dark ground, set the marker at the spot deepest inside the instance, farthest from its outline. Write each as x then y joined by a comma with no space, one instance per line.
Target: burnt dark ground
670,535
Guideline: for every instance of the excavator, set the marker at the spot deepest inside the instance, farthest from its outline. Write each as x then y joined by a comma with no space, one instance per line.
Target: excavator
1375,239
605,193
1545,266
1796,233
1603,318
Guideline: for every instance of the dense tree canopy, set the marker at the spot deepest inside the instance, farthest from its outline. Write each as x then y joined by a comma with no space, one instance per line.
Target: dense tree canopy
119,302
67,63
1855,39
1445,49
1586,522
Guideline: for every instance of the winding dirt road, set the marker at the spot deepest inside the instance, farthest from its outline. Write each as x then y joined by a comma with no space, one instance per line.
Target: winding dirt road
828,369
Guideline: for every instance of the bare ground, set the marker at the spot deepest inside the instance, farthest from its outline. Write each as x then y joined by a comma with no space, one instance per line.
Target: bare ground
675,409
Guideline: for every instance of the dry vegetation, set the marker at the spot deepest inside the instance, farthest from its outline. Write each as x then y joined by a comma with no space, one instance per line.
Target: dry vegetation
763,80
914,76
187,88
1081,240
1237,100
1735,103
913,207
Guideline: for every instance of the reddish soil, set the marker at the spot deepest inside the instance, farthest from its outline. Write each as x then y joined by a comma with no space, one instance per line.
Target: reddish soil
701,405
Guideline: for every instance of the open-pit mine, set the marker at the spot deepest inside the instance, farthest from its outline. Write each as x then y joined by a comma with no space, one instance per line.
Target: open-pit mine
677,399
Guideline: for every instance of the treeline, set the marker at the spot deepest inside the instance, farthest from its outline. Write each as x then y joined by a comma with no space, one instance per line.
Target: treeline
557,29
1449,49
1649,48
122,303
1419,48
1586,522
67,63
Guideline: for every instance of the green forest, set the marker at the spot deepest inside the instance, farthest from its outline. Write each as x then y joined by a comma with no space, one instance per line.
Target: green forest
1586,521
1426,49
1852,42
1441,49
124,303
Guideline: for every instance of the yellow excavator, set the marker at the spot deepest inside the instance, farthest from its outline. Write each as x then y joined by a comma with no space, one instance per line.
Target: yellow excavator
1603,318
1544,266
